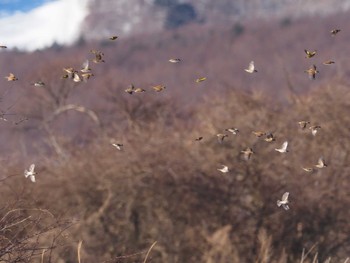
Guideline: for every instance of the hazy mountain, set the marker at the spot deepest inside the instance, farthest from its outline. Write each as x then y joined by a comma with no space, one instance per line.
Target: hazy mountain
141,16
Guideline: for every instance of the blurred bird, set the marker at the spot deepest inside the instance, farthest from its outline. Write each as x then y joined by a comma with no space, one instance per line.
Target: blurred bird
283,148
130,89
224,169
38,84
159,88
284,202
310,54
119,146
269,137
174,60
251,68
234,131
98,56
3,46
139,90
314,129
76,77
11,77
312,71
199,139
247,153
335,31
321,163
65,76
201,79
328,62
86,76
113,37
30,173
85,67
303,124
259,133
70,72
308,169
221,137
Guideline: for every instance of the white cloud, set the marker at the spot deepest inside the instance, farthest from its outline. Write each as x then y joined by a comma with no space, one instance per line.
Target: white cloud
57,21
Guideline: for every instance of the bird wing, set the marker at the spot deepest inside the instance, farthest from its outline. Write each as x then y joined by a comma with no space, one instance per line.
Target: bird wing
32,178
31,168
284,146
251,66
285,196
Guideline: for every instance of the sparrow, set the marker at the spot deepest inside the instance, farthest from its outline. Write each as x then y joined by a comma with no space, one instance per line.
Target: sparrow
314,129
11,77
335,31
328,62
310,54
200,79
113,37
174,60
30,173
321,163
234,131
224,169
284,202
221,137
283,148
303,124
251,68
247,153
159,88
312,71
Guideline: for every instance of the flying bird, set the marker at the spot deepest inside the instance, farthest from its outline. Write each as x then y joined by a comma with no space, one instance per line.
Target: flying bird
38,84
98,56
113,37
30,173
328,62
76,77
335,31
130,89
224,169
3,46
321,163
247,153
284,202
119,146
283,148
308,169
199,139
270,137
310,54
85,67
314,129
259,133
251,68
303,124
221,137
139,90
159,88
174,60
87,76
312,71
234,131
200,79
11,77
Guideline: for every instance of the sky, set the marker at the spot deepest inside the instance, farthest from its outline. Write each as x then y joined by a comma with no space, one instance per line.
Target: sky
36,24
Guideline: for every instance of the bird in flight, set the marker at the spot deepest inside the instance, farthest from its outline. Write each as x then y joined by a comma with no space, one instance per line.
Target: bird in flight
234,131
11,77
284,202
247,153
200,79
98,56
30,173
308,169
310,54
251,68
174,60
221,137
38,84
224,169
312,71
283,148
314,129
119,146
321,163
159,88
85,67
270,137
303,124
328,62
113,37
335,31
259,133
199,139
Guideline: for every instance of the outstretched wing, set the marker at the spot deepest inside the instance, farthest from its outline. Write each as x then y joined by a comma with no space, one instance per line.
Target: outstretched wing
31,168
285,196
284,146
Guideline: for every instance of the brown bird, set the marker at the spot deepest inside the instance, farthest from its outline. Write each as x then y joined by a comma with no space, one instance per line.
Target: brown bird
308,169
98,56
303,124
321,163
199,139
130,89
312,71
86,76
310,54
314,129
335,31
269,137
259,133
11,77
159,88
221,137
113,37
139,90
328,62
247,153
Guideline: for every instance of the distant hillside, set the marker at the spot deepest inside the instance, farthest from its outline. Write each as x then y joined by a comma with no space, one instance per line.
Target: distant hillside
142,16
